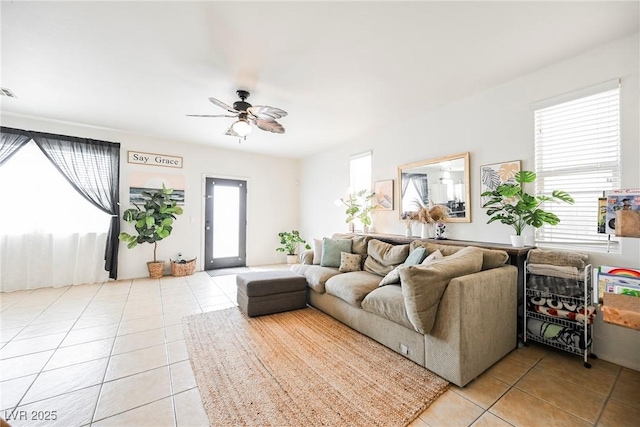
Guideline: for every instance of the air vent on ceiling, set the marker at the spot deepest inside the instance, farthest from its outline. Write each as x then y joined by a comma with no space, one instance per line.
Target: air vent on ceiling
7,92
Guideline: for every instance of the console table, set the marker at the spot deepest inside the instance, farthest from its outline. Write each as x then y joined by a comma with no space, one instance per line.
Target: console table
517,257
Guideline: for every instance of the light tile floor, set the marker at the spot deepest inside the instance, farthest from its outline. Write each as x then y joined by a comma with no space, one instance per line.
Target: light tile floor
114,354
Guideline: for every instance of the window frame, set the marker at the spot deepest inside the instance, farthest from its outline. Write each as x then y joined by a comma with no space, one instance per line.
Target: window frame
553,167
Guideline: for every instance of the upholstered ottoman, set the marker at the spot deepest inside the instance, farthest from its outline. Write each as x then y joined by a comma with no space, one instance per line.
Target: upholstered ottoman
266,292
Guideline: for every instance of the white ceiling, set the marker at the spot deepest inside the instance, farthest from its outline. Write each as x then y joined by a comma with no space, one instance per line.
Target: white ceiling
341,69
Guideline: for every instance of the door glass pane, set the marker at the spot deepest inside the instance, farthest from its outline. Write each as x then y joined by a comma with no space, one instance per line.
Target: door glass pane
226,221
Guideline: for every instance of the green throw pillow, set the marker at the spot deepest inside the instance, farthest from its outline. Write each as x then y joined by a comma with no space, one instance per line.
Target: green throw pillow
416,256
331,250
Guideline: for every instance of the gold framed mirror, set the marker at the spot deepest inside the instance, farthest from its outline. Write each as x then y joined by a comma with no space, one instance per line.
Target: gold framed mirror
442,181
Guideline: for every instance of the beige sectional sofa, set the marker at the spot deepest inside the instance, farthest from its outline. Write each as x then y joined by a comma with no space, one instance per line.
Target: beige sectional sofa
455,315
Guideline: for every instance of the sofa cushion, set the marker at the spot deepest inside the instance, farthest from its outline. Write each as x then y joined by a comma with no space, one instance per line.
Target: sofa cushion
384,257
491,258
424,285
388,302
352,287
350,262
331,249
359,245
416,257
316,275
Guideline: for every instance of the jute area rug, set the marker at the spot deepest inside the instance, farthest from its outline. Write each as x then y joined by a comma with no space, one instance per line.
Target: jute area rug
301,368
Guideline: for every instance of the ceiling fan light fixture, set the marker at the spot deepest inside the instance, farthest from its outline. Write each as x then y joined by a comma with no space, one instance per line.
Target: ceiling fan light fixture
241,127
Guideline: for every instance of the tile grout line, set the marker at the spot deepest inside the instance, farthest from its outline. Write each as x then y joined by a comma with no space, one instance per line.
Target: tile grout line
32,320
57,347
166,349
555,406
606,401
104,375
511,386
11,304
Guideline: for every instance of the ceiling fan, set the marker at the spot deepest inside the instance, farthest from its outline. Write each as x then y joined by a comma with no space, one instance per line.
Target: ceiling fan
263,116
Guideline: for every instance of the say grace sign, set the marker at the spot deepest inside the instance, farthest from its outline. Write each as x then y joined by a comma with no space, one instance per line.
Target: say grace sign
154,159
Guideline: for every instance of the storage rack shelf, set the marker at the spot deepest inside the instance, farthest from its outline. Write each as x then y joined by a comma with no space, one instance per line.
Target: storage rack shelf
576,334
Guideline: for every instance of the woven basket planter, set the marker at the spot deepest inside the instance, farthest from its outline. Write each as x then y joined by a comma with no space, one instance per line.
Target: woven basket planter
183,269
156,269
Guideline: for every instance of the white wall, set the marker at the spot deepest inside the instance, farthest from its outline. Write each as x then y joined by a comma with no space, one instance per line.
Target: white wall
494,126
272,201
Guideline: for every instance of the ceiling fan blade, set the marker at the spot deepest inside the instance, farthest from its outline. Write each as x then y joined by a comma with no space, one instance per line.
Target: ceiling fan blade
210,115
223,105
264,112
269,125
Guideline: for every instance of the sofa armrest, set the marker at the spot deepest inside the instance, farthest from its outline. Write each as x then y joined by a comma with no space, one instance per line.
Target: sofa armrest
476,324
306,257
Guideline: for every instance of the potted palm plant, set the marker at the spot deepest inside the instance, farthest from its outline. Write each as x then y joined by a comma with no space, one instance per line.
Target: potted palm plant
153,222
290,242
511,205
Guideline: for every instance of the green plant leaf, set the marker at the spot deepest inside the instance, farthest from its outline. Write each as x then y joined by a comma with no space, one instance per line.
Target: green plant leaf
508,190
153,220
290,241
525,177
510,205
563,195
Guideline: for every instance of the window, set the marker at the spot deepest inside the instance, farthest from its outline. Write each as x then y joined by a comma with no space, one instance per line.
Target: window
577,150
360,172
41,199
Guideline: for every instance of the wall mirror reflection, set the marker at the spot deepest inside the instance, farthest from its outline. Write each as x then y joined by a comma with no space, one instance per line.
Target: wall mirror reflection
443,181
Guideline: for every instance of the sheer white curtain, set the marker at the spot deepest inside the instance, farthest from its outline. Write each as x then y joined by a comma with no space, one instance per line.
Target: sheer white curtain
49,234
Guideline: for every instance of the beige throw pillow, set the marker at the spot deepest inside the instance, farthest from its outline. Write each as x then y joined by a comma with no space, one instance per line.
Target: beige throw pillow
432,257
359,245
384,257
349,262
317,251
424,285
491,258
392,277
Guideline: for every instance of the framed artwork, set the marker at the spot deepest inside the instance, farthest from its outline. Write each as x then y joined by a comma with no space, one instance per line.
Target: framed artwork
384,195
491,176
145,181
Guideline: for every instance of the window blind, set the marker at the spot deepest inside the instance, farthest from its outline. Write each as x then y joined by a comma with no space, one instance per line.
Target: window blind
577,150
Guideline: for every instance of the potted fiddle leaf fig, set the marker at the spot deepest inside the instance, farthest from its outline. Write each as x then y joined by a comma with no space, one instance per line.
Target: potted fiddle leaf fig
290,242
359,206
511,205
153,222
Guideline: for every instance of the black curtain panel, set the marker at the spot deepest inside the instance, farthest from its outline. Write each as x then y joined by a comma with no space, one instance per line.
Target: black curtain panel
421,184
92,167
12,140
405,183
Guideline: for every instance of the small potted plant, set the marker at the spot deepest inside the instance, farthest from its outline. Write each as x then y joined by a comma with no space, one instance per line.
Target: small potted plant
358,206
511,205
290,242
365,213
153,222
